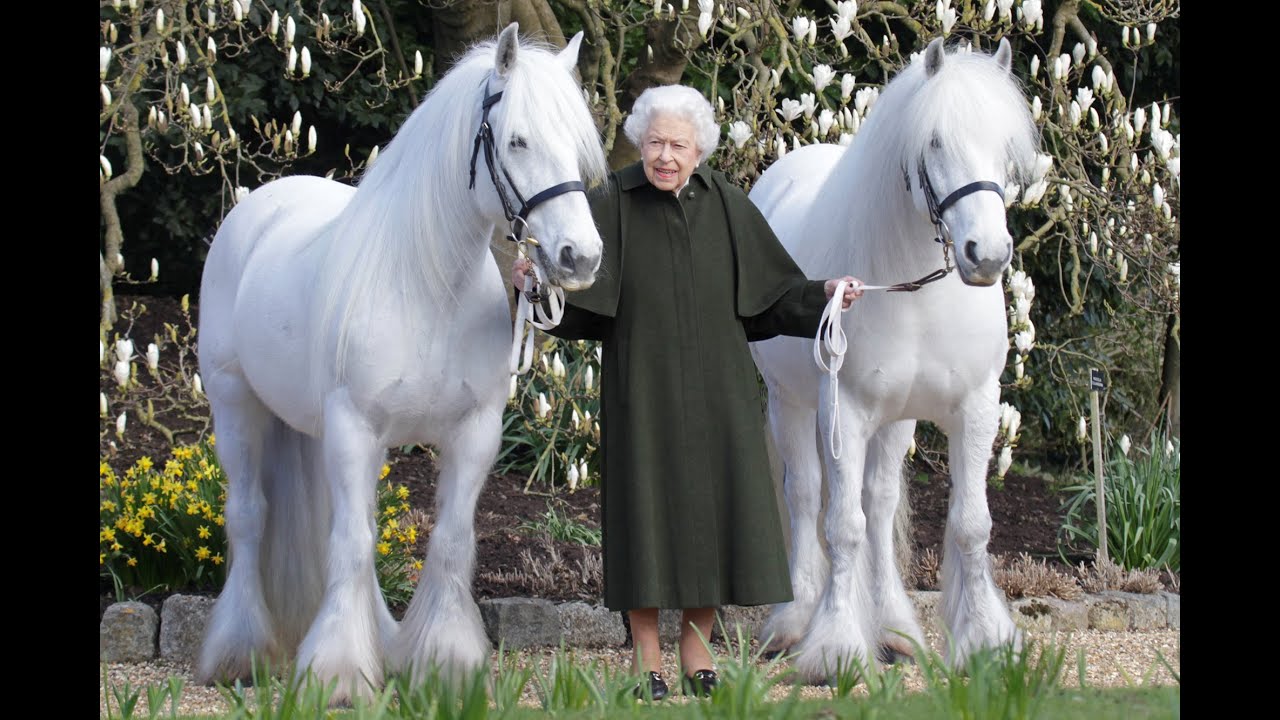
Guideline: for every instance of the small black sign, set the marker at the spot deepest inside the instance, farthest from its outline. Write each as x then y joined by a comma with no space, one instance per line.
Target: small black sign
1095,380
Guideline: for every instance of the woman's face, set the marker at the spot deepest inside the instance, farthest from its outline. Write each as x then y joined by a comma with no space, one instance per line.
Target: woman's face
669,152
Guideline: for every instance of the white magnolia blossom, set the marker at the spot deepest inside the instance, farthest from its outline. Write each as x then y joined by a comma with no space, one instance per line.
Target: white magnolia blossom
1103,143
826,119
206,117
1074,114
124,350
847,83
120,424
181,52
989,10
311,139
822,77
196,385
1011,193
106,94
542,407
1168,448
1034,192
291,63
1035,108
841,28
1133,162
745,14
1004,461
1157,194
1006,9
1015,421
102,351
573,477
800,28
583,473
1094,122
290,29
557,366
1021,310
296,124
1099,78
1025,340
153,356
237,10
1035,65
864,99
1019,368
704,23
1151,32
846,9
155,268
1084,97
1006,414
104,61
273,27
121,372
1032,15
1175,167
1124,269
739,134
511,388
790,110
417,63
241,192
102,404
212,48
160,20
306,61
1082,429
210,91
1125,444
1043,164
1175,269
373,155
946,16
1078,53
808,104
1093,243
1164,114
1139,120
590,379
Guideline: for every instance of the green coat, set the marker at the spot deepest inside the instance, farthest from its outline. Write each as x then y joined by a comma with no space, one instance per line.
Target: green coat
690,517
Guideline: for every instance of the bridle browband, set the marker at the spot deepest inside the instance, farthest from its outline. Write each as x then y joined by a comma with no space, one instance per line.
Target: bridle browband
518,218
940,226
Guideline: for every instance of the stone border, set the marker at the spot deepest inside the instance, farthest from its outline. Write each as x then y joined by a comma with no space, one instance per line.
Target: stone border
131,631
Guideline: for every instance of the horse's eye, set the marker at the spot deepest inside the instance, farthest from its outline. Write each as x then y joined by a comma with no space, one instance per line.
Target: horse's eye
518,142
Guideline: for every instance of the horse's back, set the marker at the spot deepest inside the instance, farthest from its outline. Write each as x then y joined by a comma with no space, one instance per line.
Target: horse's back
786,191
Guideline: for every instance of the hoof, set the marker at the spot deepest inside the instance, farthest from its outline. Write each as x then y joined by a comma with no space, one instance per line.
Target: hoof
890,655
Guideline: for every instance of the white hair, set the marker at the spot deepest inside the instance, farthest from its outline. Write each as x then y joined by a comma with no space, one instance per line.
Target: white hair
679,101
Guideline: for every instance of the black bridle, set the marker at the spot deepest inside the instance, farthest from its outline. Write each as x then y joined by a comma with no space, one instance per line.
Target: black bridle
940,226
519,219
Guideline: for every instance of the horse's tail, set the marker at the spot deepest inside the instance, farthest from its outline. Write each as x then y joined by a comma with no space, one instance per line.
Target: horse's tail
296,537
903,540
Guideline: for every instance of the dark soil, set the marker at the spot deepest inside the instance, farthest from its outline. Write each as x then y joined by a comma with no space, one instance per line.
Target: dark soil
515,561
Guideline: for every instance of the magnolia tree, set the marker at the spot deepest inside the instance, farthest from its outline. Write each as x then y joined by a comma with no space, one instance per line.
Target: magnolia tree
181,85
1094,281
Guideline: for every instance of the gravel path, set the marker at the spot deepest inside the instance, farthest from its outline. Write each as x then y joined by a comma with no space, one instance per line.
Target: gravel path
1113,659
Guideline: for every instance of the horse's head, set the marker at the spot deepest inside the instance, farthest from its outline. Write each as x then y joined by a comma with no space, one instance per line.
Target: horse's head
973,133
543,152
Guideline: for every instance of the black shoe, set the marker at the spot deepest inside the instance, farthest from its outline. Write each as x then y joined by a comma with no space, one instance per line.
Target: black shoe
700,684
657,688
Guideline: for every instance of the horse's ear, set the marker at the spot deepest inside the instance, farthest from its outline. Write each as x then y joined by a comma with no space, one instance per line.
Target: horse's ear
508,43
569,55
1004,55
933,57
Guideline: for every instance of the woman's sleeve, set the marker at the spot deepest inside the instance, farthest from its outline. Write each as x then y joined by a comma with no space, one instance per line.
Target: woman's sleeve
796,313
579,324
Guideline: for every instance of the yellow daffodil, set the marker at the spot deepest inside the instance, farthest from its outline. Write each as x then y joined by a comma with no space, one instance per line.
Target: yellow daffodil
402,492
132,562
384,548
202,553
217,559
203,531
386,470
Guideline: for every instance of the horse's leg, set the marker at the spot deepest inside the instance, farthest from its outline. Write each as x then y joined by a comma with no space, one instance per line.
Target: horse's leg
240,628
880,497
442,626
794,427
842,630
344,644
972,606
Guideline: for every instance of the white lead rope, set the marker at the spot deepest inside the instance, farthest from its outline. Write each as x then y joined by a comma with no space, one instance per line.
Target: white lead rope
527,312
831,338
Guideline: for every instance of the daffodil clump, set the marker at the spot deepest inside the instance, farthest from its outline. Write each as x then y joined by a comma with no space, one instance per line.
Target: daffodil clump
162,526
550,428
397,566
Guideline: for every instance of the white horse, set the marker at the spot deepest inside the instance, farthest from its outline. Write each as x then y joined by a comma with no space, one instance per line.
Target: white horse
336,322
931,161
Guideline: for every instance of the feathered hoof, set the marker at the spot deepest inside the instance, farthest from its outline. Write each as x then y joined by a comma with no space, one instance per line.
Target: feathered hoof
227,665
785,627
820,664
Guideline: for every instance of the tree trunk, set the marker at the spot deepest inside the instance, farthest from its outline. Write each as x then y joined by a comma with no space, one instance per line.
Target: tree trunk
1171,376
462,23
664,67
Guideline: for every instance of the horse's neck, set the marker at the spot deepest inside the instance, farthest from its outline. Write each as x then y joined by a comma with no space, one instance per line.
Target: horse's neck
885,239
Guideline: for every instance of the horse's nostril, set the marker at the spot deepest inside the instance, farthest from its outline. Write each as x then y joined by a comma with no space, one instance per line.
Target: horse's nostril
971,252
566,258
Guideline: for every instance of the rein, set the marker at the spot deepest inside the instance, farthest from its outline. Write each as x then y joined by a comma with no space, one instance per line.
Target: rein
529,304
831,337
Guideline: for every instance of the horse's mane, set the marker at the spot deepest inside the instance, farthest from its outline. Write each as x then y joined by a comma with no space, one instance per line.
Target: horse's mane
971,103
412,223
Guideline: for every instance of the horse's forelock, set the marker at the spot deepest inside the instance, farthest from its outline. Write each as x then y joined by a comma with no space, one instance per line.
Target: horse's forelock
971,103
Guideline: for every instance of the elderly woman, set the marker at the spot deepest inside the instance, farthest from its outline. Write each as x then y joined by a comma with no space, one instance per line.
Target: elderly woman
691,273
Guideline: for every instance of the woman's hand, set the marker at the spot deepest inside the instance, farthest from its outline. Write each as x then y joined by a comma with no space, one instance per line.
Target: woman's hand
852,291
521,267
